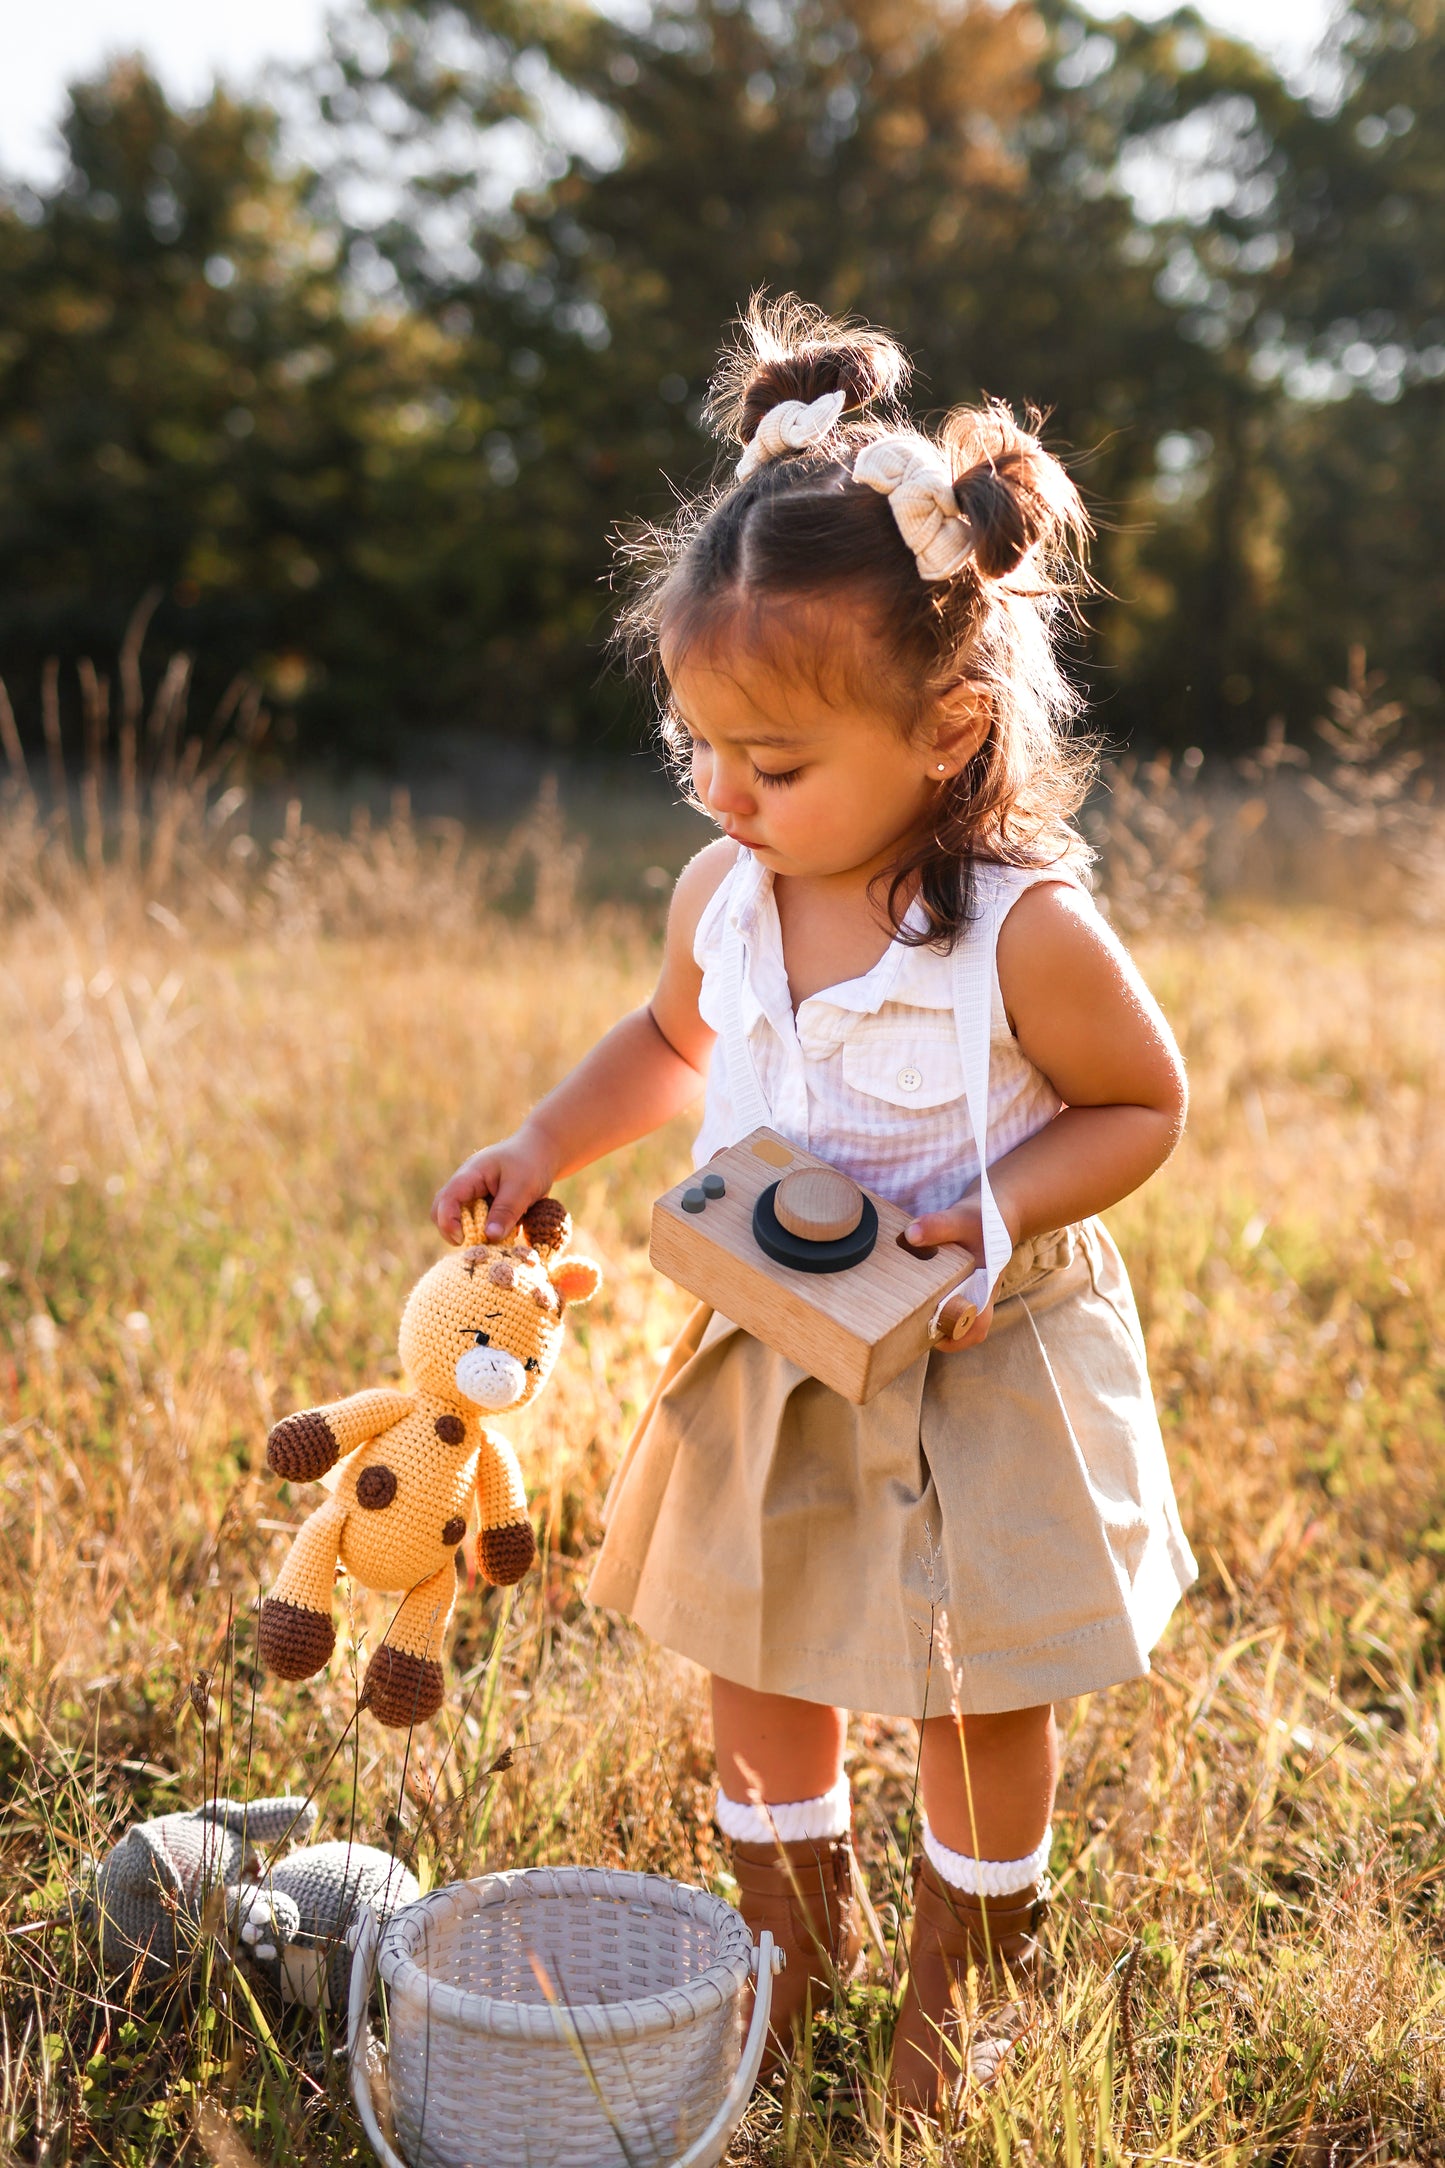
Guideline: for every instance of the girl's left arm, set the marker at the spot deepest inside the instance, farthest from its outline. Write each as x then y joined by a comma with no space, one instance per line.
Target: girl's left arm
1084,1016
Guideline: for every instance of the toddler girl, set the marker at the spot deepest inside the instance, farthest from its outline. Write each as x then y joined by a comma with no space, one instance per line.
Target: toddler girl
854,646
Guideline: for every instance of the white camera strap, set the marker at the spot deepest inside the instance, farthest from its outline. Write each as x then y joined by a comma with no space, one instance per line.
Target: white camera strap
973,983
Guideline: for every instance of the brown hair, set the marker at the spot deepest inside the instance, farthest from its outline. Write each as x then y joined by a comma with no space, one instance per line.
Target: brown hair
737,562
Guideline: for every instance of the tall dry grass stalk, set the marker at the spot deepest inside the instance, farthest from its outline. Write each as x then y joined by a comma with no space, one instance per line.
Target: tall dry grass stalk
218,1134
162,824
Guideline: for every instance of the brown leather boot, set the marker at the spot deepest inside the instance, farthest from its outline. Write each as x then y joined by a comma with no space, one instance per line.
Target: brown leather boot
803,1895
953,1935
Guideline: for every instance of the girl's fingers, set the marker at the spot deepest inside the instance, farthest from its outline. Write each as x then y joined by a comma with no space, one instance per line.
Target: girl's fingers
446,1210
489,1178
510,1202
469,1185
956,1225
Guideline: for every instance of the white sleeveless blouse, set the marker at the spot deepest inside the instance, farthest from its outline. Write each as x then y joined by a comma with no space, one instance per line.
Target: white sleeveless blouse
869,1074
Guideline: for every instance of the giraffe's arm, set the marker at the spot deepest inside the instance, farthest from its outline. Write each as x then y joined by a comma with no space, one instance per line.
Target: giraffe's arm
303,1446
501,1495
506,1546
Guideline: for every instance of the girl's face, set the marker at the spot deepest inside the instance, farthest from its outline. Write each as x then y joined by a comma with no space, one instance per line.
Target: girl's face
814,786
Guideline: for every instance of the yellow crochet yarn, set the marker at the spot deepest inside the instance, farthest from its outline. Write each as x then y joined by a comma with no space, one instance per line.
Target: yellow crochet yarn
480,1331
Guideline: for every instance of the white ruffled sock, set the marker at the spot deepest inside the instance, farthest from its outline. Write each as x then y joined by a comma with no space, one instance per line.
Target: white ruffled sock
987,1877
790,1821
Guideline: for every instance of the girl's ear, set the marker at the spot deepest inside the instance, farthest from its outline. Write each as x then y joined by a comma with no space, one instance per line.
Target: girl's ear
576,1279
964,715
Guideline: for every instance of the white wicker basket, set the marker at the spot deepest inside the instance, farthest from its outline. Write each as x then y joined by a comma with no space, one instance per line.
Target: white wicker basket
568,2017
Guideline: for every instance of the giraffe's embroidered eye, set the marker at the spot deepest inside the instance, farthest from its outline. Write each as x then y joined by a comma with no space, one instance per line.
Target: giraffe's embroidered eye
531,1363
483,1339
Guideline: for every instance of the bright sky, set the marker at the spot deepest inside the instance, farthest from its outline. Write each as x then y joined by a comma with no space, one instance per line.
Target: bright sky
189,41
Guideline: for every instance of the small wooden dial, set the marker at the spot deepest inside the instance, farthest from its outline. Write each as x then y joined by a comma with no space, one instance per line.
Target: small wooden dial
818,1204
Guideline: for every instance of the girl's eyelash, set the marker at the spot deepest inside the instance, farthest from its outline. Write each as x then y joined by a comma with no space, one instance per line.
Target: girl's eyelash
765,776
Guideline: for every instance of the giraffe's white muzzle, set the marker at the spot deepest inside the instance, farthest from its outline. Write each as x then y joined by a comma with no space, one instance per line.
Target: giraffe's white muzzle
490,1377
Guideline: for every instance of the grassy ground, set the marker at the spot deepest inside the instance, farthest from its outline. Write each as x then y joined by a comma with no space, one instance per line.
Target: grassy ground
215,1156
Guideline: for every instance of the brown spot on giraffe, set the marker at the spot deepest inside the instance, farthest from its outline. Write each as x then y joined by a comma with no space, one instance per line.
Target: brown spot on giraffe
375,1487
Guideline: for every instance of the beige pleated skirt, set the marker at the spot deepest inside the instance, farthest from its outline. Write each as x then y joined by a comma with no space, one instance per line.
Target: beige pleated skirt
996,1529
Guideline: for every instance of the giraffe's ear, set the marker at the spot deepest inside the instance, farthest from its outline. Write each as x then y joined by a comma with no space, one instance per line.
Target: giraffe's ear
576,1279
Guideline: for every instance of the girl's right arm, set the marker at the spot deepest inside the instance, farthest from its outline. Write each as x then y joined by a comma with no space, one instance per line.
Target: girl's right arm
649,1067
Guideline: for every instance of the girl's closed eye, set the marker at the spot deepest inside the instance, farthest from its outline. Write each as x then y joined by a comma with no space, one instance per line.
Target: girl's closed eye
775,777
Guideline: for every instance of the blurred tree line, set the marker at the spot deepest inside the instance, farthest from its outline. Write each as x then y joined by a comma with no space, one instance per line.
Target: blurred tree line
364,425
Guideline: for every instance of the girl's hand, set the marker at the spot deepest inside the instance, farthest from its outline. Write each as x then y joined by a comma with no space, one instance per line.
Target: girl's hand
507,1176
961,1223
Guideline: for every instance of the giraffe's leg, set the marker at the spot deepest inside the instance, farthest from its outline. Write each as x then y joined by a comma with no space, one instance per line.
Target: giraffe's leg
404,1682
296,1634
506,1546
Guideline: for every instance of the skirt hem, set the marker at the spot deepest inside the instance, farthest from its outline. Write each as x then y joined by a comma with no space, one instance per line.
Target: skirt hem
1086,1661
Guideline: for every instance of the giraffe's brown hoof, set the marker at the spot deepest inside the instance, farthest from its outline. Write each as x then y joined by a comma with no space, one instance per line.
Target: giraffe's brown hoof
401,1689
505,1554
294,1642
302,1447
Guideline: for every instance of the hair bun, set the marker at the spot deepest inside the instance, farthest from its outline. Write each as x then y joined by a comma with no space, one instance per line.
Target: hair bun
807,376
787,349
1016,495
1002,515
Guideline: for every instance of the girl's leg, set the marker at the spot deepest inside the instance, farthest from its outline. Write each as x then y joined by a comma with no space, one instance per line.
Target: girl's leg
1000,1804
783,1805
788,1749
987,1800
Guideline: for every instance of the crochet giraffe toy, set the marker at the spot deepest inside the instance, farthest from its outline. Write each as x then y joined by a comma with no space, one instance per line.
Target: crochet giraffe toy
480,1331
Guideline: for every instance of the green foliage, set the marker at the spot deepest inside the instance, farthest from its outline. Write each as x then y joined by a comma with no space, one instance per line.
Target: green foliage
368,427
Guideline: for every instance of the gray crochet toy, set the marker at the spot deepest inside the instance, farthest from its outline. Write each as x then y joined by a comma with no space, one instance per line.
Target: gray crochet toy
297,1920
170,1880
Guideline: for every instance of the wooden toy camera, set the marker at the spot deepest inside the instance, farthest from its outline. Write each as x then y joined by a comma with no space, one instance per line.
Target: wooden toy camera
808,1262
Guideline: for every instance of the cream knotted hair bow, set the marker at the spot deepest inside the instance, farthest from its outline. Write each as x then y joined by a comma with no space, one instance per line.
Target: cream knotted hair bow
920,495
790,427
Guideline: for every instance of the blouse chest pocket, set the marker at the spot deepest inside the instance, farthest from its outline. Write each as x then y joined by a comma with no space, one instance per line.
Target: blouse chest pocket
910,1064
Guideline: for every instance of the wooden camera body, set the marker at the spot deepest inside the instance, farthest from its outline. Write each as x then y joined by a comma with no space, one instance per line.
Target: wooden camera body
851,1304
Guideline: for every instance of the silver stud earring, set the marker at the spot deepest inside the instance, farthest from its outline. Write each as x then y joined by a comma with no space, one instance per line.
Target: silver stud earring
943,767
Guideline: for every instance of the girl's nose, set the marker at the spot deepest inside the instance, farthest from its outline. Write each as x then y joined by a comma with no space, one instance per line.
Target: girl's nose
726,788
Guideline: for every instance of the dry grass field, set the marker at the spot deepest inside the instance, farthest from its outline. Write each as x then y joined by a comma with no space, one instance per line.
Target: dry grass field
220,1125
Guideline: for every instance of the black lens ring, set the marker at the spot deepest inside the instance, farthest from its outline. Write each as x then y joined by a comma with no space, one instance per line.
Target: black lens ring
801,1255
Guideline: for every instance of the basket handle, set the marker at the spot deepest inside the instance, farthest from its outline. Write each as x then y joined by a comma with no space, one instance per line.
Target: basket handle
711,2146
358,2036
704,2151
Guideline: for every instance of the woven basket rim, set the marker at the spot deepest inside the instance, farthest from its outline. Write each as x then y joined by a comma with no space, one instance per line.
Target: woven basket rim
611,2023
